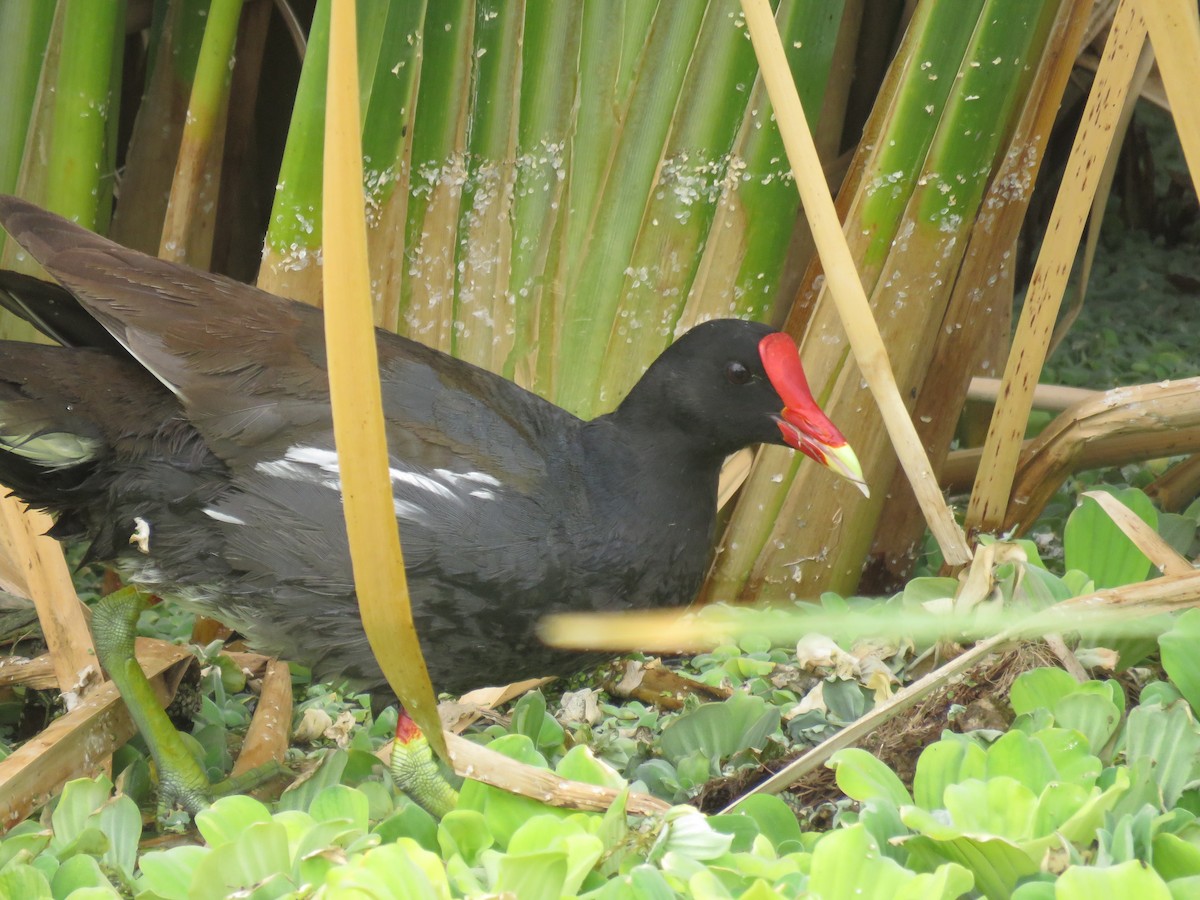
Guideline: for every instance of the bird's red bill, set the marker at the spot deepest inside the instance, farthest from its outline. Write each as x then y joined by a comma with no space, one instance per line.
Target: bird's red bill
801,422
781,359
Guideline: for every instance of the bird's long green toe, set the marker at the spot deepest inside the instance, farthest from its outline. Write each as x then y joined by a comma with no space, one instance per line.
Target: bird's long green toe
182,781
114,625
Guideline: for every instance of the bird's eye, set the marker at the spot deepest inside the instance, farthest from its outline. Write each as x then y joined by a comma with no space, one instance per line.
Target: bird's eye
736,373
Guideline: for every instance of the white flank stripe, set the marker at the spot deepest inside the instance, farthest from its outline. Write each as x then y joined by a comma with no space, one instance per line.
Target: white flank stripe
222,517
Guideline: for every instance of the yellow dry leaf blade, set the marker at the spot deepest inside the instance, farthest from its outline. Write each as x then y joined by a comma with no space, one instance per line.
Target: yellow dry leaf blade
357,407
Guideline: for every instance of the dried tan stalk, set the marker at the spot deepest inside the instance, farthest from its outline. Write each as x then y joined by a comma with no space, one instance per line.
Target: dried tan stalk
1093,143
1137,423
1178,486
1048,397
36,673
1118,426
78,743
48,583
471,760
1100,201
862,332
270,730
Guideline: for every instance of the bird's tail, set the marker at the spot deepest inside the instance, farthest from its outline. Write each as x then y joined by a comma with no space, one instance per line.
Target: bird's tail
56,406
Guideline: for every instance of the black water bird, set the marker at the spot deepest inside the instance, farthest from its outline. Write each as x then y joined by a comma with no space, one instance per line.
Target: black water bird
185,431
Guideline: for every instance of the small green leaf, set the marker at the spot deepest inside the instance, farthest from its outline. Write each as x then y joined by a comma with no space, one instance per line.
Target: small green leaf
464,832
79,799
169,873
80,873
1040,689
1179,656
1093,543
229,817
775,820
26,882
1130,879
338,802
947,762
718,730
532,876
863,777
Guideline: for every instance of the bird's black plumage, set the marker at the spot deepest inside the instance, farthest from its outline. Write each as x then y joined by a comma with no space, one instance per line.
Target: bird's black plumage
196,451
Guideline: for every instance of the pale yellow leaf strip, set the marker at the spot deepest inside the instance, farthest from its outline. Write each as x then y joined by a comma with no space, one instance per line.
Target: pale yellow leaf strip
354,387
842,278
1174,27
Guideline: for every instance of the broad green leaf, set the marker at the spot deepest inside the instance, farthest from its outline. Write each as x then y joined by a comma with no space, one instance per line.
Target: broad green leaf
775,820
1000,806
847,863
229,817
1123,882
1070,754
80,873
256,853
79,799
927,588
27,838
742,829
536,876
26,882
329,772
1175,858
1019,756
1093,543
1040,689
402,869
169,873
464,832
1179,656
1057,803
121,822
339,802
581,764
531,719
947,762
997,864
1092,715
718,730
863,777
409,821
1169,742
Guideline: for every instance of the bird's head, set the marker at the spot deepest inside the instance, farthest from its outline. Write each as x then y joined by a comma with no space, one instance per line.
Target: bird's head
728,383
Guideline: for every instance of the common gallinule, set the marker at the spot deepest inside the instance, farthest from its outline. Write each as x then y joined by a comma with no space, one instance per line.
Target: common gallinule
185,431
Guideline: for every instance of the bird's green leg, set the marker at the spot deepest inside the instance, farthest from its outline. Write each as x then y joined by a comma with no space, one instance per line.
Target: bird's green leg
415,771
182,780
